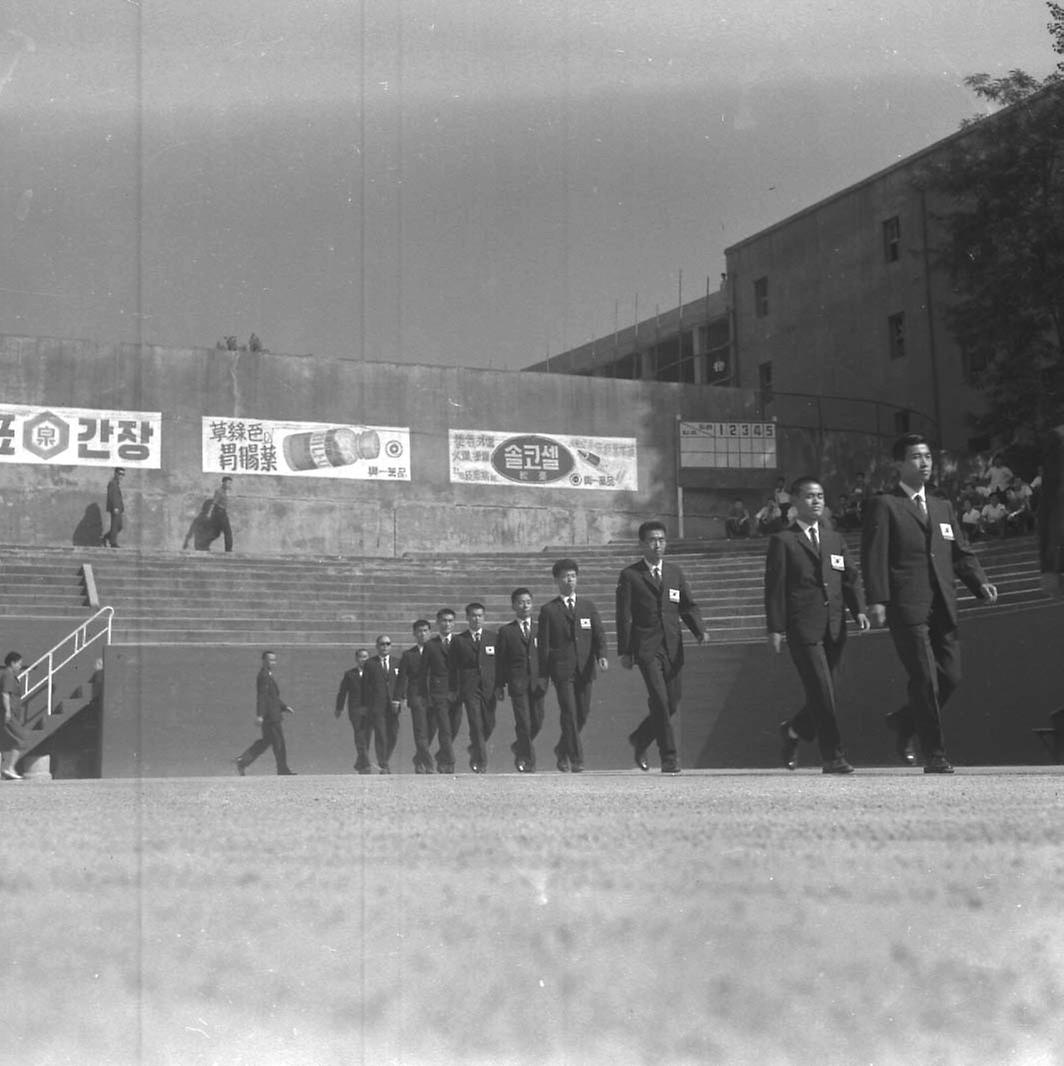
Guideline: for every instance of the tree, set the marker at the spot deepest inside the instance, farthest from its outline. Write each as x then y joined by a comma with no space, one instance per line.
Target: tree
998,200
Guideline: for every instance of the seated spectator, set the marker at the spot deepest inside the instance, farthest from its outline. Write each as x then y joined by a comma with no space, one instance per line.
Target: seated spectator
737,522
769,519
971,518
859,492
999,476
849,512
993,516
1020,517
780,493
1036,491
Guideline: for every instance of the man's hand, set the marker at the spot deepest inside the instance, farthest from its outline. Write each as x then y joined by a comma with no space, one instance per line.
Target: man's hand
604,663
339,711
878,613
1052,585
701,638
258,719
396,706
287,710
626,662
863,623
775,642
500,695
988,592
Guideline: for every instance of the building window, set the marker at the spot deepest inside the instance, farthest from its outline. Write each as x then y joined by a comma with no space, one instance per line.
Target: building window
674,359
715,342
901,423
896,334
892,239
764,381
761,297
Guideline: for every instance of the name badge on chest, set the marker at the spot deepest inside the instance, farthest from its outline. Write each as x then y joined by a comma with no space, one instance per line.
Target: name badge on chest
947,530
674,595
489,649
837,563
585,623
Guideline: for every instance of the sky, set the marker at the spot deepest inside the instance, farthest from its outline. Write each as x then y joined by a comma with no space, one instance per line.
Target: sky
450,182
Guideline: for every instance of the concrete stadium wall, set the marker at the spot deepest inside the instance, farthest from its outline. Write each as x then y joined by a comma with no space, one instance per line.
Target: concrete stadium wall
61,505
188,711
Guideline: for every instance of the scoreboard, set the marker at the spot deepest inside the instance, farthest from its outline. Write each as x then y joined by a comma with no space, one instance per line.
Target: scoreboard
728,445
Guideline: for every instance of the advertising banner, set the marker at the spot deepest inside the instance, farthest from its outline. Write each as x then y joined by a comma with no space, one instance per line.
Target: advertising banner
728,445
543,460
305,449
75,436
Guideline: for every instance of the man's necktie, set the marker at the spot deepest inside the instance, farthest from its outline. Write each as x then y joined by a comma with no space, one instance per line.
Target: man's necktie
570,603
814,537
921,503
655,573
386,664
524,630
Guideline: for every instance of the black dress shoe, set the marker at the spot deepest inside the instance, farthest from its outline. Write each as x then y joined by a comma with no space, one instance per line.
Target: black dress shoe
903,738
563,764
286,773
445,768
938,764
837,766
240,768
670,768
788,747
522,766
384,769
640,755
418,768
576,767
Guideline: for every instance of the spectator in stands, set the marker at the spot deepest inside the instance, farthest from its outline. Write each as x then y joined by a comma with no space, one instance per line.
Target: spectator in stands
12,736
350,695
999,476
859,494
115,507
780,493
414,688
993,516
971,518
737,522
220,513
269,711
1020,517
769,519
572,647
848,513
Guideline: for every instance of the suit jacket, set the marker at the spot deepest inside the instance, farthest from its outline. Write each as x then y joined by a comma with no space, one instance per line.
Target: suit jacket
570,643
379,686
806,592
413,683
440,668
350,692
648,618
904,559
268,705
517,659
475,664
114,496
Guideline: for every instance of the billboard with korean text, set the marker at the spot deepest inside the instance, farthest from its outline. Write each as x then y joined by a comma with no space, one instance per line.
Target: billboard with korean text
543,460
305,449
75,436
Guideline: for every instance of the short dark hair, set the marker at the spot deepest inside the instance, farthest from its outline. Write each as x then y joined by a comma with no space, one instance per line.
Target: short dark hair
903,444
120,469
444,611
268,651
805,479
475,605
12,657
562,565
419,623
648,527
226,478
522,591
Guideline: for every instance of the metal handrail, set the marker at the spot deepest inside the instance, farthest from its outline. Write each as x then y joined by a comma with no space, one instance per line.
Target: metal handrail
81,639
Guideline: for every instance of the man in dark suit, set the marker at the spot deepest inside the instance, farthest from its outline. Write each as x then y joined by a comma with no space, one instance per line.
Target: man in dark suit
380,683
809,581
652,599
572,644
474,652
350,694
115,507
268,713
414,688
444,707
517,669
912,548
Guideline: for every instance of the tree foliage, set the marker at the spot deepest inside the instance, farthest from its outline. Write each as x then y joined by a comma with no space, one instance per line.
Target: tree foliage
998,191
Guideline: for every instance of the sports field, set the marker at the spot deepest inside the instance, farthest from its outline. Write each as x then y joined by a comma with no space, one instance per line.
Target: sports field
717,917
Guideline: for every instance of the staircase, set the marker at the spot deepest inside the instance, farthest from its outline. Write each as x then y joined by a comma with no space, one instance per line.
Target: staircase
214,598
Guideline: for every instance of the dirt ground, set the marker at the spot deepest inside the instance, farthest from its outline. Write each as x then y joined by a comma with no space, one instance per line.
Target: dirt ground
888,919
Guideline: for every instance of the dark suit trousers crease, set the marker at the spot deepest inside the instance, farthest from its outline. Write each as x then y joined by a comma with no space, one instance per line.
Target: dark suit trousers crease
440,721
528,717
662,678
360,726
817,665
385,727
422,720
272,737
574,706
480,714
931,655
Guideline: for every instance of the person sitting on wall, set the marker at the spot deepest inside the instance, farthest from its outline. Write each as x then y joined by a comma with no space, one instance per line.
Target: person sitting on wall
848,515
737,522
769,519
1020,517
780,493
999,476
993,516
971,518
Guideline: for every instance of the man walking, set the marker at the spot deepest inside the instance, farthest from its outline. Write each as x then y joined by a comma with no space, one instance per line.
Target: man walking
380,683
474,652
912,548
572,644
444,708
413,687
517,670
350,694
12,737
220,513
652,599
269,711
809,581
115,507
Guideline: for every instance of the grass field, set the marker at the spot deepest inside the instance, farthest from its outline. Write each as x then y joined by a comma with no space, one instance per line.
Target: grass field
888,919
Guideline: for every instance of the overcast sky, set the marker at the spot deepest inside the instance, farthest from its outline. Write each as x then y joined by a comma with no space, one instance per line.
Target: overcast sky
463,182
